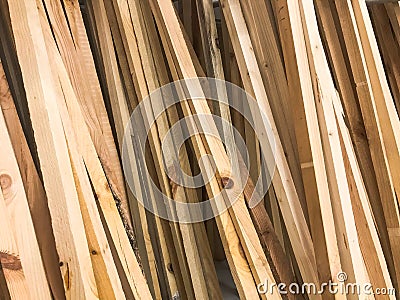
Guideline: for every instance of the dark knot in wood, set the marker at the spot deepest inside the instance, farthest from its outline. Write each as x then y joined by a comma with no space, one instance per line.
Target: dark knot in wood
10,261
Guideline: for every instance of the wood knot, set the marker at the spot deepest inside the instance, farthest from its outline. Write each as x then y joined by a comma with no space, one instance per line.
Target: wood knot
10,262
5,181
227,182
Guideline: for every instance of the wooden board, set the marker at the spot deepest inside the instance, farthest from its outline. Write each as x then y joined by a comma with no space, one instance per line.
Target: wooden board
58,179
34,190
20,255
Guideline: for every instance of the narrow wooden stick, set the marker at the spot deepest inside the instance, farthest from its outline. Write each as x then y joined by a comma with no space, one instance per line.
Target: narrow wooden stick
71,242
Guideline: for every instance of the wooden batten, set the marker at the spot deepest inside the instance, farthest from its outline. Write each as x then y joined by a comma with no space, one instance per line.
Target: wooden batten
33,186
108,117
58,179
283,183
20,255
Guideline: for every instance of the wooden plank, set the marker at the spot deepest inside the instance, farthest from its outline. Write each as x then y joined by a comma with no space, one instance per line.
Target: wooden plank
262,221
164,79
145,82
389,49
186,69
393,11
121,118
74,47
266,50
351,107
3,286
107,279
311,153
172,113
20,252
99,181
33,189
385,108
373,123
58,179
149,72
369,239
354,117
10,61
282,180
349,248
10,258
187,20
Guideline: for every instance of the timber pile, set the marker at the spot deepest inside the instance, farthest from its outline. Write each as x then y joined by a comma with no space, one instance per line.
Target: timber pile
326,74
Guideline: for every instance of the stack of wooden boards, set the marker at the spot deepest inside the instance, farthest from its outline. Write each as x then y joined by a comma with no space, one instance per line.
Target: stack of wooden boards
326,74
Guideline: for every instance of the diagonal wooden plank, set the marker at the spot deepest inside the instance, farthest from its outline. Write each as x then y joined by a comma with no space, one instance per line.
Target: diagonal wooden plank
261,219
369,239
121,118
20,254
282,180
58,179
181,60
310,150
73,44
99,181
374,125
14,276
350,252
34,190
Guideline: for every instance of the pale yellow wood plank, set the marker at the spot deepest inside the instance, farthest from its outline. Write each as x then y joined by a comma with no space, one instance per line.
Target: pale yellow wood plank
374,123
182,60
99,181
58,179
34,190
369,239
282,180
77,57
325,92
10,261
25,253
